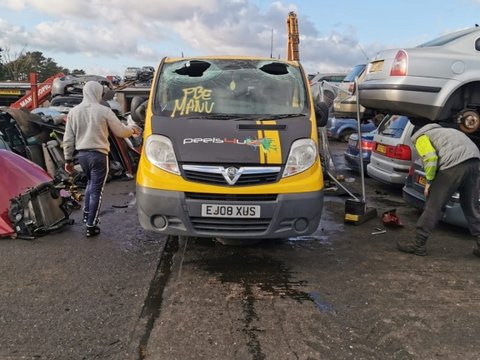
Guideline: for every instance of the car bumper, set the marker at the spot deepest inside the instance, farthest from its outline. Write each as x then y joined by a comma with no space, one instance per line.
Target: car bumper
411,100
353,161
387,177
175,213
413,197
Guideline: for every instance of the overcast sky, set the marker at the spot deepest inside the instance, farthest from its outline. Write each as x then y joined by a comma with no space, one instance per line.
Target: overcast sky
105,36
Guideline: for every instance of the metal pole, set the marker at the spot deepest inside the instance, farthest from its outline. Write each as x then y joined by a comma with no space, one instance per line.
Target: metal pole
34,87
360,150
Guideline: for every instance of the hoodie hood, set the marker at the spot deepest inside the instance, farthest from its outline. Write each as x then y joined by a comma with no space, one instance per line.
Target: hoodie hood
92,92
423,130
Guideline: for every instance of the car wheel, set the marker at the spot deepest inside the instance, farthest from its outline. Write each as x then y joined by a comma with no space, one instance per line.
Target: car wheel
345,135
469,121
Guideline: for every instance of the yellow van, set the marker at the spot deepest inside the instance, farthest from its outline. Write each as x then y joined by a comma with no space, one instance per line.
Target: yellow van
230,150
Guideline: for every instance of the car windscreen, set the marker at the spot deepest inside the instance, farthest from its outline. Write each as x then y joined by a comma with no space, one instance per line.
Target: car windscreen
442,40
393,126
226,88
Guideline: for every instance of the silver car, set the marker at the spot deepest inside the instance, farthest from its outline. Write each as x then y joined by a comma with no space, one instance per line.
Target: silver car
438,80
412,193
345,103
391,151
328,83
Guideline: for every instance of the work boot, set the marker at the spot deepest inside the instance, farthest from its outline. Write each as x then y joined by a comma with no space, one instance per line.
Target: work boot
476,249
92,230
416,246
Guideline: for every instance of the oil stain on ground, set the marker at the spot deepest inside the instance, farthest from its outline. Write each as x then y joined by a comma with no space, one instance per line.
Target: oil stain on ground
254,274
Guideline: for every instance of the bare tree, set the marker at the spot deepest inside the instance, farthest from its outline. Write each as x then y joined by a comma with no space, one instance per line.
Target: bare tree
15,64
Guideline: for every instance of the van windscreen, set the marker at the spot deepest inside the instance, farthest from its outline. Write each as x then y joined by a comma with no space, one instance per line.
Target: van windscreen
197,88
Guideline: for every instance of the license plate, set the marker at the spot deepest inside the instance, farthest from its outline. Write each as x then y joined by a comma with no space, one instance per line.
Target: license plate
376,66
421,180
231,211
381,148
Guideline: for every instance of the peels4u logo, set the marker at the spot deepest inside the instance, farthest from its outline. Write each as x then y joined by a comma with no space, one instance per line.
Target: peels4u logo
265,144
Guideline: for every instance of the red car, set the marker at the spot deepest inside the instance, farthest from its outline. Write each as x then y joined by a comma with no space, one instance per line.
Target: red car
18,175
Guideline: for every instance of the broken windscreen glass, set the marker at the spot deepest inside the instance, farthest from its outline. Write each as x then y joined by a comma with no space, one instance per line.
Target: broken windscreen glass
230,86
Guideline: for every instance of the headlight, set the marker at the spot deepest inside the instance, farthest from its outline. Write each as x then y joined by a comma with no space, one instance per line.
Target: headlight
302,156
159,151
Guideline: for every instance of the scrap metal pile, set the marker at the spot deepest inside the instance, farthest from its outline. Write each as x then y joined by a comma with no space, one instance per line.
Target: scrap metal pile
37,194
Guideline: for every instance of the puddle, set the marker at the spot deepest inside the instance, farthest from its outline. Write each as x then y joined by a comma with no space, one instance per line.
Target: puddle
322,305
259,277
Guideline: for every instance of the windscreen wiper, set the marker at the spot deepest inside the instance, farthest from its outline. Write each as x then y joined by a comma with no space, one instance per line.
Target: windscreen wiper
286,116
224,117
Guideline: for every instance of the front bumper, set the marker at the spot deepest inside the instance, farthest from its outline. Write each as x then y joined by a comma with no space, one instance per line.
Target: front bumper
179,213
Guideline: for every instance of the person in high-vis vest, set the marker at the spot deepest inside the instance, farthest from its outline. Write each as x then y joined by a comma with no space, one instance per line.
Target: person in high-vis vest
451,161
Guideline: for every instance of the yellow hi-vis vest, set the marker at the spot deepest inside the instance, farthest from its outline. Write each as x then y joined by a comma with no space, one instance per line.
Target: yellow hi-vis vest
429,156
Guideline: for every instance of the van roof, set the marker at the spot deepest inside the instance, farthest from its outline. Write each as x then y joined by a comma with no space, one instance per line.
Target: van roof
228,57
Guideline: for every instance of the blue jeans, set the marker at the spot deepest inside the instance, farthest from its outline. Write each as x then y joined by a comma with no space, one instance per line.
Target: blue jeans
95,166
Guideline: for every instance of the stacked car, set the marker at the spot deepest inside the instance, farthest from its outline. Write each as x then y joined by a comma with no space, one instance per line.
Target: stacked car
437,81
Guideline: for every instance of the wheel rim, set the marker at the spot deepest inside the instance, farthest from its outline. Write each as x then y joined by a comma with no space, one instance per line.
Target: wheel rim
470,121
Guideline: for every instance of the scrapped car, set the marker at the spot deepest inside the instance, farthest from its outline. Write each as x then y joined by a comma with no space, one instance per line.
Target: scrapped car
342,128
352,153
30,205
392,150
325,86
345,103
131,73
413,190
146,73
230,150
73,84
438,80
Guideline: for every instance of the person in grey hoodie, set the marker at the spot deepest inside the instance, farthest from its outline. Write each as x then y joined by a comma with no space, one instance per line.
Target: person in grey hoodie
86,131
451,162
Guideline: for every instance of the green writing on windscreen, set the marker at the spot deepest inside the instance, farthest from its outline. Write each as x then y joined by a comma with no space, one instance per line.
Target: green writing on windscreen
196,99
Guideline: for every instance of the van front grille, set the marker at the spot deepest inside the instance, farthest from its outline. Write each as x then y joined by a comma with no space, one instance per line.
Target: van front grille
232,175
231,197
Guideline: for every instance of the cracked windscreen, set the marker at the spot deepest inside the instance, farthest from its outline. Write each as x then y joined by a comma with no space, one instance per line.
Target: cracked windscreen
230,89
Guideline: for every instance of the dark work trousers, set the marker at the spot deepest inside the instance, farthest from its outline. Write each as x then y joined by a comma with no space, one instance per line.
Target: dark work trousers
464,178
95,166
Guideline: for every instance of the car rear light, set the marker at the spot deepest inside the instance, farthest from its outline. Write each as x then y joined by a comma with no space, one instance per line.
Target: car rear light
400,64
403,152
400,152
367,145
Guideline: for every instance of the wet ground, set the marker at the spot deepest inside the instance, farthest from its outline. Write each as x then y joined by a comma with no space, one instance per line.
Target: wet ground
341,293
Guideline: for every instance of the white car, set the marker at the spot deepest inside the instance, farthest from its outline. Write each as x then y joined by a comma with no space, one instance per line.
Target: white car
438,80
391,151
